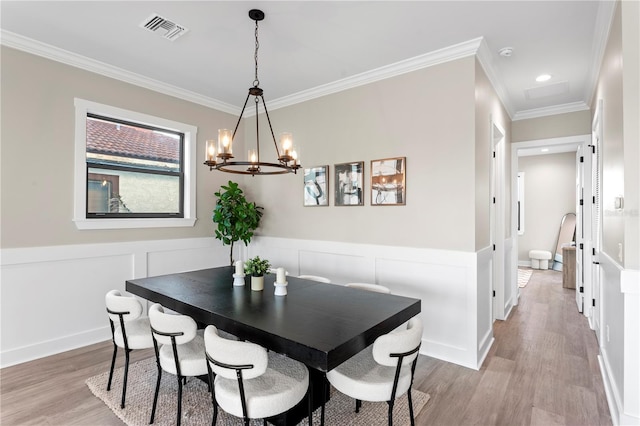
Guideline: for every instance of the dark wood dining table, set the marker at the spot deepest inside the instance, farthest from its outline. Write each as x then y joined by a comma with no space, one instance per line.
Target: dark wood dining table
321,325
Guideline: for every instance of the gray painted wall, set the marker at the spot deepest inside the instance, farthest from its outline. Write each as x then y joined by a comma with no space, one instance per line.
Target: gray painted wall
552,126
38,150
428,116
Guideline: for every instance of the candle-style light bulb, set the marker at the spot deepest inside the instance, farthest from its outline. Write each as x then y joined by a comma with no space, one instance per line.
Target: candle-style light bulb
286,141
210,150
224,142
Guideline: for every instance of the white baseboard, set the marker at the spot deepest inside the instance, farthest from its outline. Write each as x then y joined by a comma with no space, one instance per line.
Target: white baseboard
52,347
609,390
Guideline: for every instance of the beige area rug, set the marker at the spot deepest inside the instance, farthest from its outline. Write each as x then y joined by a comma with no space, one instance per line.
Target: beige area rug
524,275
197,408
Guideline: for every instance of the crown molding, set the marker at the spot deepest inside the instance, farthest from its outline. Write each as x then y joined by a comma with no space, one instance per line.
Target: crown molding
602,28
458,51
477,47
552,110
44,50
451,53
486,61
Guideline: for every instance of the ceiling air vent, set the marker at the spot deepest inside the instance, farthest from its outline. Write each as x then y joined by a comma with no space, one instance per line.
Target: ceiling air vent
555,89
169,30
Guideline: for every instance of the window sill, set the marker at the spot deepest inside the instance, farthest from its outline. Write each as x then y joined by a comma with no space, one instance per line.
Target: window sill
84,224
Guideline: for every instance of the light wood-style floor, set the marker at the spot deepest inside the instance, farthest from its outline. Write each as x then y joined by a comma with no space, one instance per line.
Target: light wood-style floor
541,370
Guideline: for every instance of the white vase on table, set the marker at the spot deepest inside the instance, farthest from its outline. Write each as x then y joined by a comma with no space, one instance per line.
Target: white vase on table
257,283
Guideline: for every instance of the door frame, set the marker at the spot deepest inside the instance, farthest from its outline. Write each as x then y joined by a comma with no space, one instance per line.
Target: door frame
555,145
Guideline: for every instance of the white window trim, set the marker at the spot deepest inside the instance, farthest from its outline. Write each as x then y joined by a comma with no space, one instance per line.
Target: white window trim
82,107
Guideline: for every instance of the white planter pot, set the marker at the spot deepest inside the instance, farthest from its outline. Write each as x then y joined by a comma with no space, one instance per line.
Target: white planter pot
257,283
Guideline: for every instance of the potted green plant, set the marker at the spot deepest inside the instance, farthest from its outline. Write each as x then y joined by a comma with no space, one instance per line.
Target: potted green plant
234,216
257,267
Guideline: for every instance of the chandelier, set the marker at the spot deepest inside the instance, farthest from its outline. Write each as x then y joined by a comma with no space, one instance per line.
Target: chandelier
223,160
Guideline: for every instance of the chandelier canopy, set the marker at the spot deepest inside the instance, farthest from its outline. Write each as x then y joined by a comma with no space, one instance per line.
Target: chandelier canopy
219,154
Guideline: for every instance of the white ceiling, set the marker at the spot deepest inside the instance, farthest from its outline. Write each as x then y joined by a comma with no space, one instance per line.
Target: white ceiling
310,48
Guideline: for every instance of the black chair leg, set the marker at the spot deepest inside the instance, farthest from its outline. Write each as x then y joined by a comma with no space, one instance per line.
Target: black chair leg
358,405
410,407
310,404
324,397
210,382
179,400
155,396
113,363
126,375
390,412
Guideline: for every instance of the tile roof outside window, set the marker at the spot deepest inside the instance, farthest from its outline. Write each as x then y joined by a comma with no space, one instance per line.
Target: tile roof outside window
127,141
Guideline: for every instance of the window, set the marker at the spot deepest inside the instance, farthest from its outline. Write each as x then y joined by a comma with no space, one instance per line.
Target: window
132,170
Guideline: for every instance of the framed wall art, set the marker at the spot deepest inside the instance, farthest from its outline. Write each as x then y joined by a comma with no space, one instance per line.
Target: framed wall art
349,184
388,185
316,186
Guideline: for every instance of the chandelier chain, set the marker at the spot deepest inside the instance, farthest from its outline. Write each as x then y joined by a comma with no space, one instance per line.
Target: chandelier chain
256,82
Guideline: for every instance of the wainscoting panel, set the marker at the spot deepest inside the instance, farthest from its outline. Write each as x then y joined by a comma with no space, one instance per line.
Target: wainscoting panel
45,303
442,289
444,281
510,278
339,269
52,298
484,297
186,259
620,347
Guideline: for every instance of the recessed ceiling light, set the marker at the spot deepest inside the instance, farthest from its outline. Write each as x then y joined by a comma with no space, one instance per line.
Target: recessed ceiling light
543,77
545,150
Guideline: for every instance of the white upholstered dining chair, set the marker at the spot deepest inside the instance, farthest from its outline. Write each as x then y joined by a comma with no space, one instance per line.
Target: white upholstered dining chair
129,330
249,382
179,350
369,287
383,371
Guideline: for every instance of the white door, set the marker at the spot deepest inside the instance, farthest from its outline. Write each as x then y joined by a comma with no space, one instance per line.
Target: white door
580,201
596,241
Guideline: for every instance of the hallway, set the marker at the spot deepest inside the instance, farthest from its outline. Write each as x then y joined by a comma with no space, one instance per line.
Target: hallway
542,369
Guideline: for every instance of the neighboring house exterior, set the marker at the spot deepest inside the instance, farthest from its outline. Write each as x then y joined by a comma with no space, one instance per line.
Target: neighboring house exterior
437,247
140,153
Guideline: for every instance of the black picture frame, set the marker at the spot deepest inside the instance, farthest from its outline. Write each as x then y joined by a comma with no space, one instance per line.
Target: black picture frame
349,184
